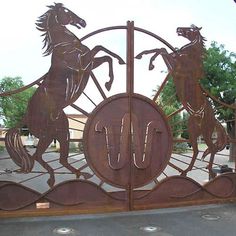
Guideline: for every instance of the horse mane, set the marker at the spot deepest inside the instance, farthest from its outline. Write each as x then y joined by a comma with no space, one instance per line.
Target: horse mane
196,46
203,39
43,25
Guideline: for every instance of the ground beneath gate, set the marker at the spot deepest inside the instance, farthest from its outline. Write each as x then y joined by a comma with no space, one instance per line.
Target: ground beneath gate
217,220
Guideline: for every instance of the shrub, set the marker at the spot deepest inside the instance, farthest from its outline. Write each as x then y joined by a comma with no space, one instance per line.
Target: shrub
180,147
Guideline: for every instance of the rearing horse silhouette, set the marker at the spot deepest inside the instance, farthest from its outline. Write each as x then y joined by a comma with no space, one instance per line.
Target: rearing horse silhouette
186,67
71,66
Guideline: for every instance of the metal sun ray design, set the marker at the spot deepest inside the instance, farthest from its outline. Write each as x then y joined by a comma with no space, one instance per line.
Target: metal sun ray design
128,159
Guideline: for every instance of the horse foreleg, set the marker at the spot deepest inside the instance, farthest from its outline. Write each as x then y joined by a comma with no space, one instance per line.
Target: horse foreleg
153,58
99,48
166,57
145,52
169,61
43,144
100,60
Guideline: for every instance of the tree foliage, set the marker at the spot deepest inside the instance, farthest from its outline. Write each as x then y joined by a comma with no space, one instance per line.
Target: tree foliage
168,100
168,95
220,81
220,78
169,103
12,108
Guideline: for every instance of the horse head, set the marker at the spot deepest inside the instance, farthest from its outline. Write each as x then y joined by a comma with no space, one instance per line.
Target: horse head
190,33
53,23
64,16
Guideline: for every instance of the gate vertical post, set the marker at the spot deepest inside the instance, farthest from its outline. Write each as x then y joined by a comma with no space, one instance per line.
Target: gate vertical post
130,90
130,58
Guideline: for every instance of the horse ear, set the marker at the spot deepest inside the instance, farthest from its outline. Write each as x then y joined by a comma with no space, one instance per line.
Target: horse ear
58,4
194,26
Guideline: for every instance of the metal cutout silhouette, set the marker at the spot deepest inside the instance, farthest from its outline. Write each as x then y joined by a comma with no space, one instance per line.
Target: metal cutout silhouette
71,66
128,161
186,67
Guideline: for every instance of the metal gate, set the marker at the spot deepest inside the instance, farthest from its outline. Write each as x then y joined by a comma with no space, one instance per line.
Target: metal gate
128,155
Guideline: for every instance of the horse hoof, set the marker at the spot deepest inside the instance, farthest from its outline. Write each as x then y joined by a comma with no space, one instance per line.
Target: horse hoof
51,182
212,175
139,56
86,175
121,62
183,173
108,86
151,67
77,174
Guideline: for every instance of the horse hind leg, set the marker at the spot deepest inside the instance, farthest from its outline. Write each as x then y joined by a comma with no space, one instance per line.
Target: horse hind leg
193,130
194,145
41,148
212,175
205,153
63,140
212,150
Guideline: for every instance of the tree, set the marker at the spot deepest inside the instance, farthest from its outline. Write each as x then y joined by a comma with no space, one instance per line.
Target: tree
185,118
168,95
12,108
168,100
220,81
169,103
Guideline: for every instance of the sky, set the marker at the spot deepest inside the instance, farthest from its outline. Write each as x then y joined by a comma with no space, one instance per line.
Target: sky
21,43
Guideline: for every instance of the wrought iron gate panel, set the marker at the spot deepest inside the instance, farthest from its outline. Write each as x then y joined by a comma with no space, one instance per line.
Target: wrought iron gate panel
128,158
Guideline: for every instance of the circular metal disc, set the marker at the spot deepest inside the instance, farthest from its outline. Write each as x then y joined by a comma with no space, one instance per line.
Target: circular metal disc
123,146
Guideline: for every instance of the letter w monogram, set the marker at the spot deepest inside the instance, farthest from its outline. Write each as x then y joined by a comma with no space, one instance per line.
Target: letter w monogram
118,148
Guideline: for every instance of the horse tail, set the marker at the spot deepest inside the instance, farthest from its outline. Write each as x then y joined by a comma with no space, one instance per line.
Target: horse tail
221,141
17,151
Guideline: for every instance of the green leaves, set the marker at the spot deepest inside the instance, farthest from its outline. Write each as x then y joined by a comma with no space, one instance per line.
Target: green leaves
12,108
220,78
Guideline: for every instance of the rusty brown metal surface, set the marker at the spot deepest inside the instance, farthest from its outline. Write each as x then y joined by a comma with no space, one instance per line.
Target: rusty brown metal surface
72,63
107,139
186,67
128,159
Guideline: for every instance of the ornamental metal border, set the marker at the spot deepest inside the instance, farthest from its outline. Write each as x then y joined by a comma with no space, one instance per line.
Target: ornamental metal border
128,160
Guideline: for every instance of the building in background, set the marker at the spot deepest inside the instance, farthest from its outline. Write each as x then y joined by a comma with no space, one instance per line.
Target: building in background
76,125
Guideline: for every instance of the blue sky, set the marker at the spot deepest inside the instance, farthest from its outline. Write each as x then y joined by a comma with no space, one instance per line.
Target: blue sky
21,44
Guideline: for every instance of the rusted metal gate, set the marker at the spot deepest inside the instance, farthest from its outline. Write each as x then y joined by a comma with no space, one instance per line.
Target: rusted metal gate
127,158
